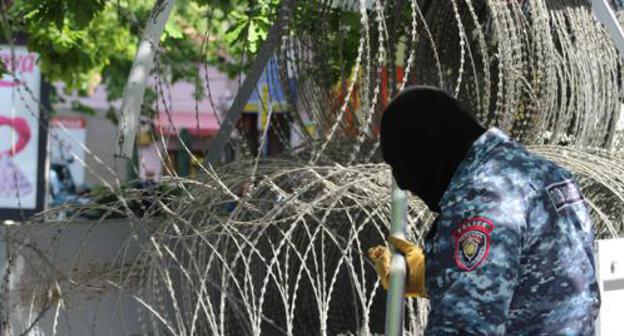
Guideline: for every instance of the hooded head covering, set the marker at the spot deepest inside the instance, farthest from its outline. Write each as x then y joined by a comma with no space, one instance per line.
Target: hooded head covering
425,135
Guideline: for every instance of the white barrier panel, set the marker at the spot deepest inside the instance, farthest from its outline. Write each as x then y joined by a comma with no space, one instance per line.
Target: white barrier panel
610,264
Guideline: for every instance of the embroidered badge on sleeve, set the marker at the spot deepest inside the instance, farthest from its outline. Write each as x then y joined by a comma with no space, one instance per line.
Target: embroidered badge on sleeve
472,242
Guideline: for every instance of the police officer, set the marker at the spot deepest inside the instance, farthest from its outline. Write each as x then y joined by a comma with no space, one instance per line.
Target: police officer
511,250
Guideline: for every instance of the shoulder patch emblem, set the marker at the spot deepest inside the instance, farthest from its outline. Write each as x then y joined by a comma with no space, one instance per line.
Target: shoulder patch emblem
472,242
563,194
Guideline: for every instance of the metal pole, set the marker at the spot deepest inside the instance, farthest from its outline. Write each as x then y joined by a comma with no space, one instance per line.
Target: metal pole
137,79
273,40
604,14
398,270
244,92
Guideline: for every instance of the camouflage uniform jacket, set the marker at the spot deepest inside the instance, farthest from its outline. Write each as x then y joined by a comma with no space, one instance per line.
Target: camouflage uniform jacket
511,251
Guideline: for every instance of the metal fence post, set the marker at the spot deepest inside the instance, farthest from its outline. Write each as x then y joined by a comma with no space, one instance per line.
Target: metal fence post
395,302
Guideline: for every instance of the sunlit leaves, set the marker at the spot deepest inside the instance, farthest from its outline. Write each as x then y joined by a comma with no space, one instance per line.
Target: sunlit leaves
95,41
251,26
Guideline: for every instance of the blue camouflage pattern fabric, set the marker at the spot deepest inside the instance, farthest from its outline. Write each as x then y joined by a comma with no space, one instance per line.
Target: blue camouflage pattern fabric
511,251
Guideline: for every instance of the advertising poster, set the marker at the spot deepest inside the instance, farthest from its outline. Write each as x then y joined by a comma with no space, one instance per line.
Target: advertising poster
22,142
66,146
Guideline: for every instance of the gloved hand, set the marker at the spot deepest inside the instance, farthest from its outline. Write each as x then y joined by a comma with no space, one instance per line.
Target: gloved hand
414,258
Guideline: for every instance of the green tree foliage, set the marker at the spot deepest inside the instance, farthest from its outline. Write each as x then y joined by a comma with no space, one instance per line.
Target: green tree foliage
94,41
2,69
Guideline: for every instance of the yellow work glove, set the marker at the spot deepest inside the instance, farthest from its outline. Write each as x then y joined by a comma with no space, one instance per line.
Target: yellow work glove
414,258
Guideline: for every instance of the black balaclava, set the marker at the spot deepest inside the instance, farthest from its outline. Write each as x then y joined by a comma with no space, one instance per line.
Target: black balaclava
424,137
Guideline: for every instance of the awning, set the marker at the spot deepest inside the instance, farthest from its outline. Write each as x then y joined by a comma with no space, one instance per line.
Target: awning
202,124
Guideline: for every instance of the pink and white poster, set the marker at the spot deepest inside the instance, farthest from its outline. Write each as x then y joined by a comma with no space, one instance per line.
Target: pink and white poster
22,160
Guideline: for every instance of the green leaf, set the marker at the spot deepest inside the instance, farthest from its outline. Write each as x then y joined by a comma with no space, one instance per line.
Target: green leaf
3,69
252,34
87,10
235,33
172,30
